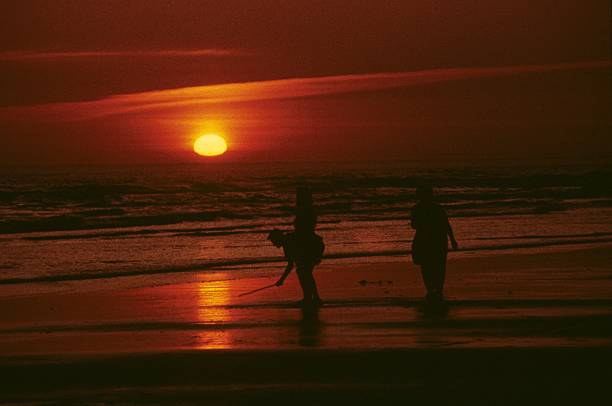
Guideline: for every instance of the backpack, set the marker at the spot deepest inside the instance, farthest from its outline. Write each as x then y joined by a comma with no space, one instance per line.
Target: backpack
316,247
309,248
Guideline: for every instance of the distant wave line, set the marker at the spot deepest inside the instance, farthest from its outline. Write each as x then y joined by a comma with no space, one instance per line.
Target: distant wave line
218,265
79,221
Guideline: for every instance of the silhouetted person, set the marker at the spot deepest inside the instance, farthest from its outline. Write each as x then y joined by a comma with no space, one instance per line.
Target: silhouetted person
430,244
305,220
305,255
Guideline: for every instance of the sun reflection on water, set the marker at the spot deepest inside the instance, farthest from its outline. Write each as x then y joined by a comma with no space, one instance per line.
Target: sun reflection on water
213,298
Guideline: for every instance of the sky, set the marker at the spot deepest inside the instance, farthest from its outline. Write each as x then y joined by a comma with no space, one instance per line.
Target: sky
115,82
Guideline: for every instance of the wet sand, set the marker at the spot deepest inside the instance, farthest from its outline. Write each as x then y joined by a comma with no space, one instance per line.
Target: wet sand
516,327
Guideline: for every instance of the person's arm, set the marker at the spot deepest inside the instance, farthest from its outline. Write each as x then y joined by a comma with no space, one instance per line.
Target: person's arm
288,269
451,235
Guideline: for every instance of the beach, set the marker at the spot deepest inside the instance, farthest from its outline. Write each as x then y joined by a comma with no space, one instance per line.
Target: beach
514,326
165,164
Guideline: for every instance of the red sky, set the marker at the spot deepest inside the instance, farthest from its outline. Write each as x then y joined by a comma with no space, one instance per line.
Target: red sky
137,81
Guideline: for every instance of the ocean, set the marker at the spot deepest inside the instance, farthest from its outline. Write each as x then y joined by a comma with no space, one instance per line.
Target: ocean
92,223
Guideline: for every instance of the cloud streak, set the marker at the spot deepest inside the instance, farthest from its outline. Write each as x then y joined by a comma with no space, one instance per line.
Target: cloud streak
168,53
282,89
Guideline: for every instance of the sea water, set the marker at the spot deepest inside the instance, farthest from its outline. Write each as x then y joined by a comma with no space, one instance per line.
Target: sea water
80,223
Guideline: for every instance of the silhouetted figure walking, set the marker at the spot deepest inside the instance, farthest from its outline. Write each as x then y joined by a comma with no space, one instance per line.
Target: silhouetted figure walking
305,254
430,244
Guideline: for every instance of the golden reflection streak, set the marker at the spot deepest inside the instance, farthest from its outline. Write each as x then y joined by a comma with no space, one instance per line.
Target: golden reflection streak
213,297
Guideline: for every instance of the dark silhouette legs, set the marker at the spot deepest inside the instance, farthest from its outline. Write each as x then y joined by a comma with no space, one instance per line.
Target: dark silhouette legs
308,284
434,273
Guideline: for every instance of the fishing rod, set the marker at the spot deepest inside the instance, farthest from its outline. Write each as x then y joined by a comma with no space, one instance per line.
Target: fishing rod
257,290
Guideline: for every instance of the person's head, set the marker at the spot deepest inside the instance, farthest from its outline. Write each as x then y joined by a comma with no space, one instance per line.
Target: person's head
424,192
277,237
303,196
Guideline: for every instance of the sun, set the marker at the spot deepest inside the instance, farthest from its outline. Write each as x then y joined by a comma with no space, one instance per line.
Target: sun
210,145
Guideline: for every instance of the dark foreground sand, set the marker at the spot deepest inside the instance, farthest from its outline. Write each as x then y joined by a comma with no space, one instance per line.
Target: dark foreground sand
427,376
521,328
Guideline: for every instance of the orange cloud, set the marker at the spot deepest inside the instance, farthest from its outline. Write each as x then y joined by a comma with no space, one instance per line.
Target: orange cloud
276,89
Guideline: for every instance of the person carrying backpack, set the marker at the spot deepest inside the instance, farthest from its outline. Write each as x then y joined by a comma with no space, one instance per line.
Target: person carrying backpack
303,253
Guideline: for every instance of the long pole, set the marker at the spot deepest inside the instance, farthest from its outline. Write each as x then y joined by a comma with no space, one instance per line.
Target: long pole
257,290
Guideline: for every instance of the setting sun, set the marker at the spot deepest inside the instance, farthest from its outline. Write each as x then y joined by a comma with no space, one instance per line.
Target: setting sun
210,145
